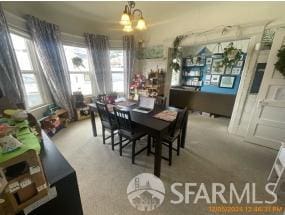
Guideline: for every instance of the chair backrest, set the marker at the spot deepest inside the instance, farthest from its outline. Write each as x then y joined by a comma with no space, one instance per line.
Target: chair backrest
177,124
103,111
160,101
124,120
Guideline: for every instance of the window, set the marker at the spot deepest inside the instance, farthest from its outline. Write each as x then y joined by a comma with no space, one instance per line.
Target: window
78,66
30,71
117,69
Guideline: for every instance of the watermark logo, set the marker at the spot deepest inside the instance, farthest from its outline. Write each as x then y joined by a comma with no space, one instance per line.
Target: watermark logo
146,192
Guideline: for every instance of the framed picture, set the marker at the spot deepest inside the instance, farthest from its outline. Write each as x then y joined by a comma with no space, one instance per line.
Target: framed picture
207,83
236,71
217,67
215,80
208,70
240,63
227,81
208,78
189,61
228,71
209,60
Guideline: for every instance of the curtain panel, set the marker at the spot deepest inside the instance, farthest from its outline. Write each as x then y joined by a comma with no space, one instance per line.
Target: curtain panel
11,82
99,49
46,37
129,60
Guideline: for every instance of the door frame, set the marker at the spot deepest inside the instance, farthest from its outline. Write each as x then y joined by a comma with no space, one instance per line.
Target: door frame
245,84
279,39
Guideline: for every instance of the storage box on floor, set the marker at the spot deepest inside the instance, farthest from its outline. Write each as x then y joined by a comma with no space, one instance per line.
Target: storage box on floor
24,182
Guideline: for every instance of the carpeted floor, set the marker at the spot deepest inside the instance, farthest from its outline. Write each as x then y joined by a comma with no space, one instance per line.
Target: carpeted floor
210,155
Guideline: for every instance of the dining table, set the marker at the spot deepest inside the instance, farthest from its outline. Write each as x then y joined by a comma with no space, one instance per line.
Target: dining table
154,127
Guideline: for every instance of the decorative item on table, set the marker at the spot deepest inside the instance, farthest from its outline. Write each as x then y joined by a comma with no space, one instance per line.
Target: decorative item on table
218,67
110,98
231,55
236,71
137,83
227,81
215,80
167,115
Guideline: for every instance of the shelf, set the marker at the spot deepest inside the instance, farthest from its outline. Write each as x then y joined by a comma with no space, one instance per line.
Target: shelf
191,76
190,85
198,65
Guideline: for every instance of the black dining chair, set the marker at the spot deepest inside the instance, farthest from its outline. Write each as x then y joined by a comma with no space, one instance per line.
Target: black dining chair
174,134
108,123
160,102
130,131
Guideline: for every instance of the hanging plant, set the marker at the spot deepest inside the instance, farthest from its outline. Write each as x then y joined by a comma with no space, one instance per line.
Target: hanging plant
77,62
280,64
175,63
231,55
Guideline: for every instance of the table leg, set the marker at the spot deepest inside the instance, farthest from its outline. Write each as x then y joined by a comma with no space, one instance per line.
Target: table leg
93,123
184,131
157,158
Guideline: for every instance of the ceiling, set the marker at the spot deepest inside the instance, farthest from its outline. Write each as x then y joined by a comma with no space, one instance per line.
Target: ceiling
164,19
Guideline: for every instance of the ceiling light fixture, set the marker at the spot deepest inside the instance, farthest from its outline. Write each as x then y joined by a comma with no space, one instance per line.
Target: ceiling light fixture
128,18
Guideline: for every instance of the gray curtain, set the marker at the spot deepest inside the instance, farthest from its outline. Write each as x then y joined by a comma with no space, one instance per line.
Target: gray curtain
99,49
46,37
11,82
129,59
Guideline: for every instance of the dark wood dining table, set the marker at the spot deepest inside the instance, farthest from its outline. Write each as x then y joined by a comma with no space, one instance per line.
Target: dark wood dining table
153,126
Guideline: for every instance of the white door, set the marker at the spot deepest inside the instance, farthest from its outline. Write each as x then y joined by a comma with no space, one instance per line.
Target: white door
267,126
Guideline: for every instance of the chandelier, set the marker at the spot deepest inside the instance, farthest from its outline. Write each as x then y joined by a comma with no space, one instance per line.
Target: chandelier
129,18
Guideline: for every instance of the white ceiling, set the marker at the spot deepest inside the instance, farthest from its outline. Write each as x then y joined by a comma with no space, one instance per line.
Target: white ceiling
164,19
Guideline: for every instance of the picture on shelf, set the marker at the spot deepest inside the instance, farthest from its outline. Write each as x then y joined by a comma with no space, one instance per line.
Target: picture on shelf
208,78
236,71
240,63
227,81
207,82
189,62
208,70
217,67
194,73
228,71
215,80
209,61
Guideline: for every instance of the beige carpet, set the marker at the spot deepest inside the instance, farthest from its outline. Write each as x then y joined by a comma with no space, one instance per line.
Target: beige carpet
211,155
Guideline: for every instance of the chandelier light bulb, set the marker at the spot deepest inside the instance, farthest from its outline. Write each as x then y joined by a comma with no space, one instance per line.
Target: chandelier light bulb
128,28
141,24
125,19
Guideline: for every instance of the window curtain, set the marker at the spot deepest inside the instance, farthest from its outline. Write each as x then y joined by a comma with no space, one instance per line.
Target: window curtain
11,82
46,37
99,49
129,60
